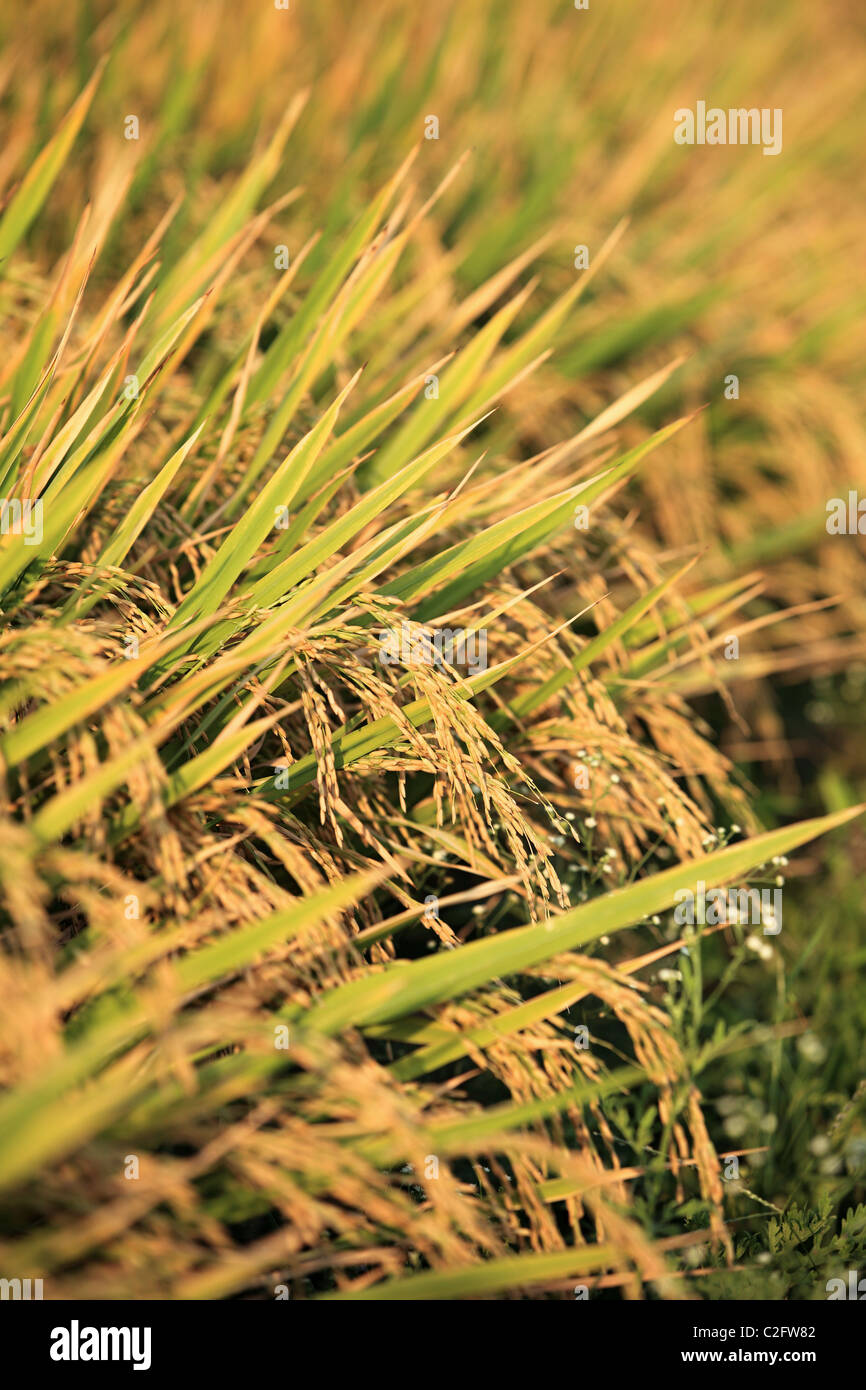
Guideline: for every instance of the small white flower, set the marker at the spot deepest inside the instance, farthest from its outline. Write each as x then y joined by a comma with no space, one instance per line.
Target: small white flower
591,822
811,1048
855,1151
729,1105
735,1126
